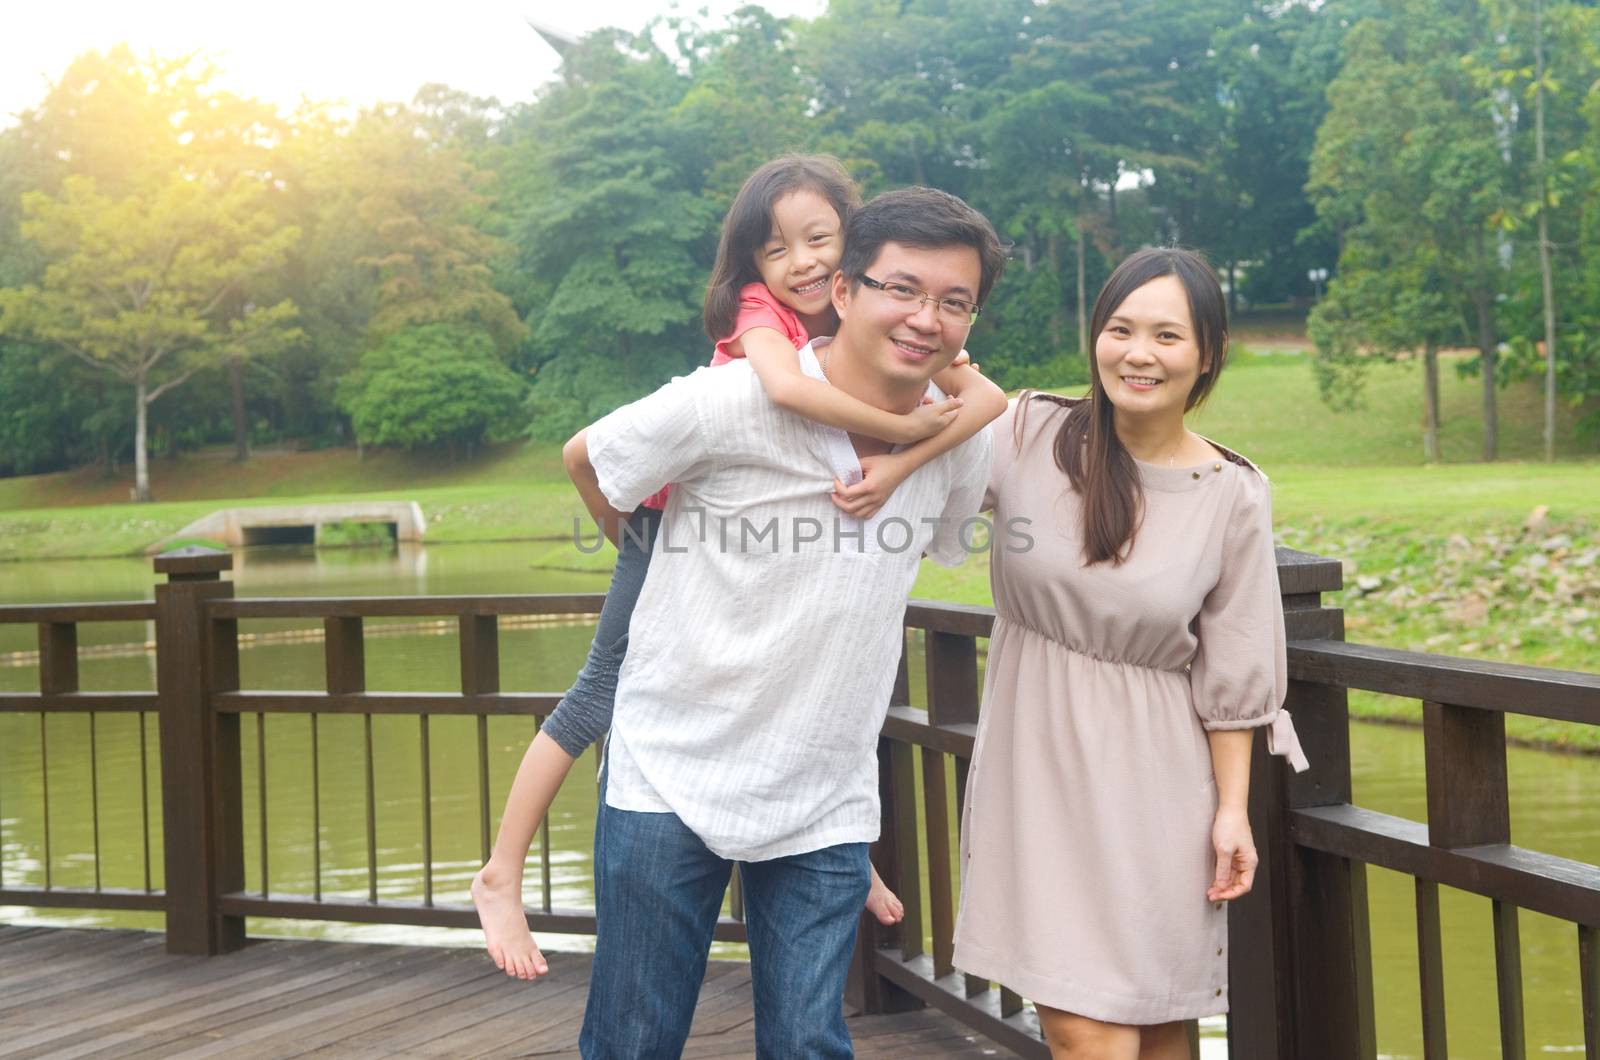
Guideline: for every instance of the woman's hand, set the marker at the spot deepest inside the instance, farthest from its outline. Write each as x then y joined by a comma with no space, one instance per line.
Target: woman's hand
881,476
1236,856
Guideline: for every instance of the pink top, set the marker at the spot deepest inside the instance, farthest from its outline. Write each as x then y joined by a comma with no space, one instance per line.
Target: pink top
758,308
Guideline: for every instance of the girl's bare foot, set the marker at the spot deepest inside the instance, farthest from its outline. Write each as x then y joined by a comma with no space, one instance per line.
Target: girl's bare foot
882,903
505,927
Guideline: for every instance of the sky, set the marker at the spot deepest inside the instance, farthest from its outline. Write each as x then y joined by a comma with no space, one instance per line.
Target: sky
358,51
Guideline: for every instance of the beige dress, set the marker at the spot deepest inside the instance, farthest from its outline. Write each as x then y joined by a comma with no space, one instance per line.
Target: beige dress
1086,838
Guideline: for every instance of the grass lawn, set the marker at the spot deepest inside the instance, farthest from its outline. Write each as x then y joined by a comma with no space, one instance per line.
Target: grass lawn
1453,566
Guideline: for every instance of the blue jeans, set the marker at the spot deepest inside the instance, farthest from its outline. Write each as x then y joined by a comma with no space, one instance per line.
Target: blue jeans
658,892
584,713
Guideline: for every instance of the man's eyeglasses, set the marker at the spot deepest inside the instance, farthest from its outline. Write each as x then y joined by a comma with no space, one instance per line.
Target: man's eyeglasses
954,310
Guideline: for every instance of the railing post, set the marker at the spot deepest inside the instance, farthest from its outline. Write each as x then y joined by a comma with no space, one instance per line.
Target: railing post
1300,967
865,990
201,804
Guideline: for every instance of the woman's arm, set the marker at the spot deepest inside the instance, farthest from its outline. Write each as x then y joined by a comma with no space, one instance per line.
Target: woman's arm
982,402
777,365
1230,831
575,455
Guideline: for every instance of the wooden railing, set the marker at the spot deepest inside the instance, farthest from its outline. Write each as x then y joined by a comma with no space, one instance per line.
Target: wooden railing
1300,963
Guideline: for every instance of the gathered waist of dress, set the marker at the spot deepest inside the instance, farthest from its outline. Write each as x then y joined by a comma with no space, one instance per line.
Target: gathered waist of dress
1181,671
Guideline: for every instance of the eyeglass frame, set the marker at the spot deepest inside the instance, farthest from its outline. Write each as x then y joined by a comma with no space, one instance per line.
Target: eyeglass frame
971,309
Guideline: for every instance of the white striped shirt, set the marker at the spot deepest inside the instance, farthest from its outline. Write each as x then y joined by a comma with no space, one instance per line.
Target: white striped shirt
763,649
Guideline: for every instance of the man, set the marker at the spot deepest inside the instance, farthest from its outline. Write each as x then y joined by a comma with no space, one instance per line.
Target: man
763,649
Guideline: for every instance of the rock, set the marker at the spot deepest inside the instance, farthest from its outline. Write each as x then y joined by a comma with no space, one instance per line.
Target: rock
1368,582
1555,541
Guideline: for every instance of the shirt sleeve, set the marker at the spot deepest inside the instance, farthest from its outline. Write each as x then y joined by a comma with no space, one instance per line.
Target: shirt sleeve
659,438
969,472
759,309
1238,675
1004,453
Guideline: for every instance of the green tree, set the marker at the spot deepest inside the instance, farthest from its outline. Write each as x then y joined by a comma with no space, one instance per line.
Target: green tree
613,234
438,384
1412,151
136,286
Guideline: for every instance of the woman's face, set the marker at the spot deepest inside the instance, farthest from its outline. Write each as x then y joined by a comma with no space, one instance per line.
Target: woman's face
1147,354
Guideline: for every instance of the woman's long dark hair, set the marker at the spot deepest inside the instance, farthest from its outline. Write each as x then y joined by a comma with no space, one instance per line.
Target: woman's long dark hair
749,224
1087,448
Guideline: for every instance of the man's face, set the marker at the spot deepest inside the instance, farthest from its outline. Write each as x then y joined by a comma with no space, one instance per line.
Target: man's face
902,339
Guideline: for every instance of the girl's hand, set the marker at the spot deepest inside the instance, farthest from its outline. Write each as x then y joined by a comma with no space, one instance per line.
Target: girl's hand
881,476
1236,856
965,358
928,419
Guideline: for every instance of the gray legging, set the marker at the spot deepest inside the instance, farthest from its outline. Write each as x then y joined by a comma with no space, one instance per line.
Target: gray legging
584,713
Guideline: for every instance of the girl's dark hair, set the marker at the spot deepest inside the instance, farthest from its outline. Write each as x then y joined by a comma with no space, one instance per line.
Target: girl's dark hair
1087,448
749,223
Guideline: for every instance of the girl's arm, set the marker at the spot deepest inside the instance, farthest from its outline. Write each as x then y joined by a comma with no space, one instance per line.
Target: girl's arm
982,402
777,365
1230,830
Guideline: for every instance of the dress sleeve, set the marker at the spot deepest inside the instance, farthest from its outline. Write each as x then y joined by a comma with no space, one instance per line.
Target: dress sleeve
1004,453
1239,673
657,439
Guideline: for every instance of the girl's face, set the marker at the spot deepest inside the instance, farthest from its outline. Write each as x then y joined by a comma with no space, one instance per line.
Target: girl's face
802,251
1147,355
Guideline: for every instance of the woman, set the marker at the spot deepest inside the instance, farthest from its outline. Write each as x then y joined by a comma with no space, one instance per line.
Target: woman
1136,644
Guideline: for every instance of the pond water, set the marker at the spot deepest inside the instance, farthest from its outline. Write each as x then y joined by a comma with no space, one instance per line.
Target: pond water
1552,803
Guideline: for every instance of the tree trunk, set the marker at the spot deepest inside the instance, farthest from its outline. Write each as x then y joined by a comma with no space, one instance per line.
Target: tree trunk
1083,306
241,432
1233,292
1111,214
1544,240
1430,386
1487,346
1052,251
141,456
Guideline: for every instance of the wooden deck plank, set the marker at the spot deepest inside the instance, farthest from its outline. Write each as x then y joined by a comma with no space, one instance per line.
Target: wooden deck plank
32,977
226,1006
410,979
278,1014
204,988
413,1012
70,951
560,1035
501,996
102,993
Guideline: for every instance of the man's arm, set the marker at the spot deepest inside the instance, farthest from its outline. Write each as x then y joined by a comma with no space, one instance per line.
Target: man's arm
575,455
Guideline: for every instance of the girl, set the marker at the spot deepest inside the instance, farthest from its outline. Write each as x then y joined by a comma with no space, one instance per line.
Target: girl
769,294
1135,647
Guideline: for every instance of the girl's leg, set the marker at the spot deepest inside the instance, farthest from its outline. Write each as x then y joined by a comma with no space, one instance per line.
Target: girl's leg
582,717
1074,1037
497,888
